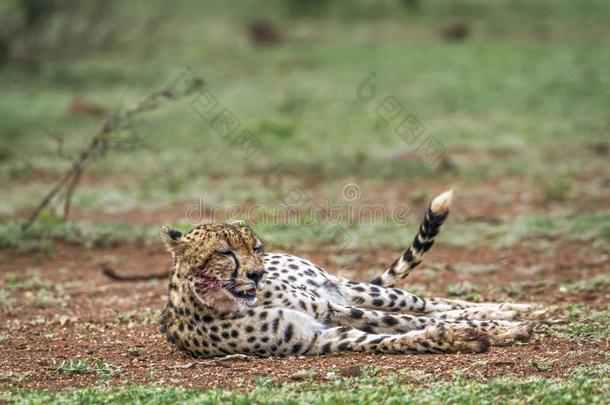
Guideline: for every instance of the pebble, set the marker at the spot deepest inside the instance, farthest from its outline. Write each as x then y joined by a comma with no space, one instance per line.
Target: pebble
331,376
300,375
351,371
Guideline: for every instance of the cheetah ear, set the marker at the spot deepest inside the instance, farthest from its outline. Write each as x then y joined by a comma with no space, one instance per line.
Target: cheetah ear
172,239
238,222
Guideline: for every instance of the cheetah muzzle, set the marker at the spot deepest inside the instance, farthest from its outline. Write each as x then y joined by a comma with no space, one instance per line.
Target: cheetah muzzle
227,296
244,293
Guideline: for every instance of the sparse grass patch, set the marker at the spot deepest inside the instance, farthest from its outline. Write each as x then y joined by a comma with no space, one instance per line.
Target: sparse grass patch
134,350
6,300
475,268
597,370
29,280
585,226
124,317
541,364
44,298
420,196
149,316
553,188
87,366
14,377
39,292
585,322
465,290
578,227
74,367
512,290
599,283
41,235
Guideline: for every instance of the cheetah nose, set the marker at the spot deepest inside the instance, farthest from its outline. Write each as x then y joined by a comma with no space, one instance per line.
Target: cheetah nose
256,275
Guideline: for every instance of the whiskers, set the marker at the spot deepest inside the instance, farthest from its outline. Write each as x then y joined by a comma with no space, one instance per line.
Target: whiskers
230,284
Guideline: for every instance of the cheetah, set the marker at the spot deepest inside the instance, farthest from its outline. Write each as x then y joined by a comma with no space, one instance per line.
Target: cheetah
227,296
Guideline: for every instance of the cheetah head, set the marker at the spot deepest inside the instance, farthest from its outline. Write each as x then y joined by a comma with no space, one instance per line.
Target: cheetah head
221,265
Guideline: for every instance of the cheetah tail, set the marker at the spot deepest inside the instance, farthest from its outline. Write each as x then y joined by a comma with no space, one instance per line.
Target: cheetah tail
412,256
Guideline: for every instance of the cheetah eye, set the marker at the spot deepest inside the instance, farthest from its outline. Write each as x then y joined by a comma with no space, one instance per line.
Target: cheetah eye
226,253
229,255
257,249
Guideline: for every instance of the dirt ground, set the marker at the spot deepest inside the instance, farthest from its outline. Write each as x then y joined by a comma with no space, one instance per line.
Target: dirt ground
91,316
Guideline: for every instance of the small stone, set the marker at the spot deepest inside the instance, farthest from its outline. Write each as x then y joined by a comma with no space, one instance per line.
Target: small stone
331,376
350,371
299,375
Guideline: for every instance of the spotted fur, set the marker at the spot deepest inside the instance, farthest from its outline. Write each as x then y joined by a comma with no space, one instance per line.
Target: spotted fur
226,296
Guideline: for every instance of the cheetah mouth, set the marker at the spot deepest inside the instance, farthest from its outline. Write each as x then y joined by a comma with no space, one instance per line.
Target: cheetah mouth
247,297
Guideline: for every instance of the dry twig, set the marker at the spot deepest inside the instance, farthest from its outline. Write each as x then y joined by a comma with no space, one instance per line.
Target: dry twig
110,273
98,145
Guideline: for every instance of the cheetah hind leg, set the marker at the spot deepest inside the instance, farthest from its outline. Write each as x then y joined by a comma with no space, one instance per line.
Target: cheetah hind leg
373,297
434,339
487,311
499,332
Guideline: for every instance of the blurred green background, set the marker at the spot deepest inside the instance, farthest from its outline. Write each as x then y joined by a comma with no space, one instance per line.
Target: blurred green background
517,92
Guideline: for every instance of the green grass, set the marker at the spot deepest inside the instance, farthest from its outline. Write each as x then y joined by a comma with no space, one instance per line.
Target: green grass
459,116
578,389
41,236
510,90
